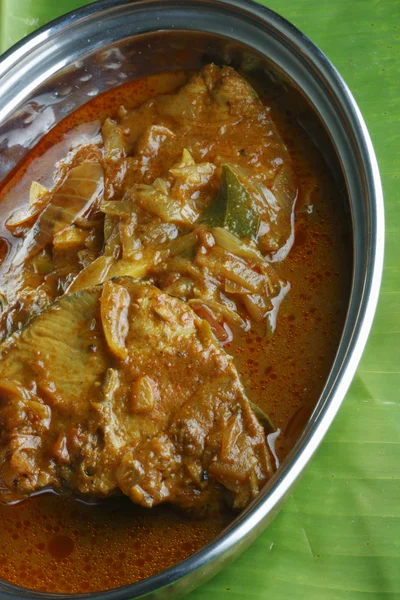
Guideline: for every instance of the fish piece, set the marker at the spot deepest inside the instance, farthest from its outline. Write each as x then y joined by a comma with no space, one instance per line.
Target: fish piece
121,387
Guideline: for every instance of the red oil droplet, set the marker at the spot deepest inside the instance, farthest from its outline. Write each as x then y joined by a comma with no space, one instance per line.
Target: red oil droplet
60,546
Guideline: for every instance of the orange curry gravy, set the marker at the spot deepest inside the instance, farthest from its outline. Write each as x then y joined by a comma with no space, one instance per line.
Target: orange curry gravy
61,545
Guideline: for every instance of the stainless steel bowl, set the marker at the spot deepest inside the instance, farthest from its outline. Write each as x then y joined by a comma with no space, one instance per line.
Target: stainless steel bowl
66,63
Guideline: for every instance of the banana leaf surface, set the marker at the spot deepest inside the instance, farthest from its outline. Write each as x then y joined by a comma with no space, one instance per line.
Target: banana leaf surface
18,18
338,536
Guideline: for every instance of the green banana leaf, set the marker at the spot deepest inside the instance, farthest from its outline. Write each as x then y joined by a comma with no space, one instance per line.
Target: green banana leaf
20,17
338,535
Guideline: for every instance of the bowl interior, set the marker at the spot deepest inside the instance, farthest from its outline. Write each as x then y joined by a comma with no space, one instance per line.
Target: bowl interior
101,69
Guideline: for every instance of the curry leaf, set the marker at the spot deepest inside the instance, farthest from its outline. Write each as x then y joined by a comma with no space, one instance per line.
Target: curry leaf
233,207
263,418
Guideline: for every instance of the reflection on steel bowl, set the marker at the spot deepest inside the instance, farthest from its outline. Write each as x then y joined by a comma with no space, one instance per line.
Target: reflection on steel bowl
191,251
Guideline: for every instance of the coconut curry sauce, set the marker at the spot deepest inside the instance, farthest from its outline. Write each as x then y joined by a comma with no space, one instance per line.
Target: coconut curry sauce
175,275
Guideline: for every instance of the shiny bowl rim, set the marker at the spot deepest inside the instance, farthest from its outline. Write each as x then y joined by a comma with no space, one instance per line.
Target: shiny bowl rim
283,481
